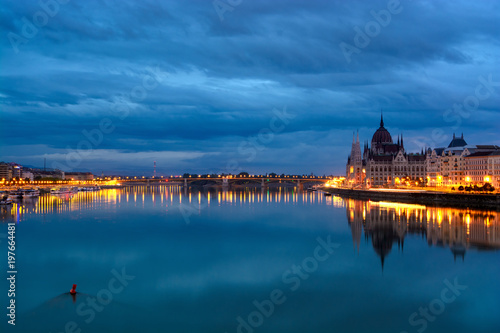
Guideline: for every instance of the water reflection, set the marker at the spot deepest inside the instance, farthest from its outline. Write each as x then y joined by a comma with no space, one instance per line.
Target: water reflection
387,223
162,195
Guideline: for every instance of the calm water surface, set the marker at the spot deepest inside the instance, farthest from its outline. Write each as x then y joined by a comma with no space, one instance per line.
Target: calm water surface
164,260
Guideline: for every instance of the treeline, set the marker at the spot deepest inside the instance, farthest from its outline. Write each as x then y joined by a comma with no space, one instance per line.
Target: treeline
474,188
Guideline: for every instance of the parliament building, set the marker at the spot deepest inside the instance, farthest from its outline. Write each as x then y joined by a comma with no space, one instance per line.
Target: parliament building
384,162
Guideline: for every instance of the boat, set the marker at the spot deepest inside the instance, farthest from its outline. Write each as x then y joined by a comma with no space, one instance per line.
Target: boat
18,194
30,193
89,189
326,194
5,200
61,190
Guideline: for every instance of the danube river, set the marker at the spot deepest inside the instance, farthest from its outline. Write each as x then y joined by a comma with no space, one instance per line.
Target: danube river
162,259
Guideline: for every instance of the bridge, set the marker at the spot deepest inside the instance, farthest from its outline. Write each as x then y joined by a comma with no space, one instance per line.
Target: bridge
227,181
264,181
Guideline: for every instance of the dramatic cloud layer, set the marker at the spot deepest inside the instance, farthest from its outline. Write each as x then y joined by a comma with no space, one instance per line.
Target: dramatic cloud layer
224,86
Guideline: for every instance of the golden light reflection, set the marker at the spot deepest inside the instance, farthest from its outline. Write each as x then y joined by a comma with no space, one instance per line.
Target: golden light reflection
448,226
455,228
47,203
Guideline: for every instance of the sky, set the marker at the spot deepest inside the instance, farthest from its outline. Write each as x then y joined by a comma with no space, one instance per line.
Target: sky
239,85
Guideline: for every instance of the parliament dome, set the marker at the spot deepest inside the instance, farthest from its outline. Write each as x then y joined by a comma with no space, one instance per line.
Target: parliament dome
381,135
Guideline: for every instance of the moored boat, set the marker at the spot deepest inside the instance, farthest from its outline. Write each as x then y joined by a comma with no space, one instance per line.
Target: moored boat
17,194
5,200
30,193
89,189
61,190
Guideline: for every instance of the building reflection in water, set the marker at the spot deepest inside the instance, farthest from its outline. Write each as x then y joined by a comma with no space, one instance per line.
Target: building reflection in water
388,223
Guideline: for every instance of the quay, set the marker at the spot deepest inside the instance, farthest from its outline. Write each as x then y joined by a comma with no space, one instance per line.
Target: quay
433,198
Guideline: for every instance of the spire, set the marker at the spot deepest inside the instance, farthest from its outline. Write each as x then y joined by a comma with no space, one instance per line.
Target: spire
381,119
398,139
353,138
357,136
462,135
402,140
453,136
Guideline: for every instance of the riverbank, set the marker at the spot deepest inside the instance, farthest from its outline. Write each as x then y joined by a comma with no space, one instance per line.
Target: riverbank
463,200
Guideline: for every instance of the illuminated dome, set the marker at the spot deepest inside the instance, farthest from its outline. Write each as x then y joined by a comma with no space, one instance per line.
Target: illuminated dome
381,135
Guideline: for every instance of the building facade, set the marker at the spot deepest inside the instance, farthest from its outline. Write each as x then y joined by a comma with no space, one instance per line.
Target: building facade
450,167
354,169
78,176
384,162
5,171
483,167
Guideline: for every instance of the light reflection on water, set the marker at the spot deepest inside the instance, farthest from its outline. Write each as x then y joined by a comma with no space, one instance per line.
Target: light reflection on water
200,259
46,204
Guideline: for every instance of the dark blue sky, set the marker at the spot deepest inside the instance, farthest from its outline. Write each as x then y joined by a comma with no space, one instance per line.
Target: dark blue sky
191,85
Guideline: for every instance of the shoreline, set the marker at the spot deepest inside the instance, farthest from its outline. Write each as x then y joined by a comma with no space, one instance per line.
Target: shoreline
431,198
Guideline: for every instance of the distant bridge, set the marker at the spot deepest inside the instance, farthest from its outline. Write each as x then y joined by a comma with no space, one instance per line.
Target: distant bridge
226,181
263,181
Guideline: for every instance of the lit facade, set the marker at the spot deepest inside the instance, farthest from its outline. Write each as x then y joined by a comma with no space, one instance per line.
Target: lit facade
449,167
78,176
354,168
5,171
483,167
384,163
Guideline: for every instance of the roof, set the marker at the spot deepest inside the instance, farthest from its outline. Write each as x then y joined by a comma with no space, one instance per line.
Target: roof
416,157
457,142
439,151
389,148
482,153
381,135
78,173
490,147
382,157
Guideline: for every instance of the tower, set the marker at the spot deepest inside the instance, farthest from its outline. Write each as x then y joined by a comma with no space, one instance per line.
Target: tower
355,162
154,169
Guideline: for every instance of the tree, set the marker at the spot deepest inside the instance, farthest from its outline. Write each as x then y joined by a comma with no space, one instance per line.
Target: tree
488,187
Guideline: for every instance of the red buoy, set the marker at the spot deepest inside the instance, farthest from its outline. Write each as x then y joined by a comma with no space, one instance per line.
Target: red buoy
73,290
